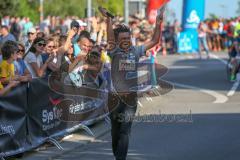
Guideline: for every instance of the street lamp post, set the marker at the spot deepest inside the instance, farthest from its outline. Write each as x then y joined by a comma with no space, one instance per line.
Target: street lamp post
41,10
126,12
89,14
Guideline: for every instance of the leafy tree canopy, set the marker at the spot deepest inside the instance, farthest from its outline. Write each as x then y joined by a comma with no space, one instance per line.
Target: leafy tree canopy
62,8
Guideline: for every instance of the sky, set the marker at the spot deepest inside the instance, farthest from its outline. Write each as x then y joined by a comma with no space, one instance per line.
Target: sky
212,6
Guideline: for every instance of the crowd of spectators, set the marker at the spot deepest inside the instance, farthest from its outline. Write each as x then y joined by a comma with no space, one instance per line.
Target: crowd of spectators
219,33
30,51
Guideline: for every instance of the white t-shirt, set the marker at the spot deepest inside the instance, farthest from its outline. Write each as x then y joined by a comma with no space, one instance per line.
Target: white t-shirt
31,58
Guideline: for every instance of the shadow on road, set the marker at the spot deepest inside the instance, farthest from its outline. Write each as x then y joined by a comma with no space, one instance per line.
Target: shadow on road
207,136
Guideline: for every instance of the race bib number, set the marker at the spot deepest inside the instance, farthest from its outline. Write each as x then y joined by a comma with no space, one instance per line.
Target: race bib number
127,65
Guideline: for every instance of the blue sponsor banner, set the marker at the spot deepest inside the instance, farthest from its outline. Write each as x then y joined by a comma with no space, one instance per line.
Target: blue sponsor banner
193,14
188,42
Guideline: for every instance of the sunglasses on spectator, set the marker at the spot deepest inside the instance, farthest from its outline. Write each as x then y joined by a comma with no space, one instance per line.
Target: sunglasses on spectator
51,46
21,50
41,44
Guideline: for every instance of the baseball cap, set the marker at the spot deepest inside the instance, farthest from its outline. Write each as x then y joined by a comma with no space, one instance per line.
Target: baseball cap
74,23
81,23
32,30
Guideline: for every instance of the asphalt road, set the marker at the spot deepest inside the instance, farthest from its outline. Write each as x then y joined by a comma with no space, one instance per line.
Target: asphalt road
198,120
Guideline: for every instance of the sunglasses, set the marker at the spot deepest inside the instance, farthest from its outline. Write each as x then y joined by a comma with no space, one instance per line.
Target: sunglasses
51,46
21,50
41,44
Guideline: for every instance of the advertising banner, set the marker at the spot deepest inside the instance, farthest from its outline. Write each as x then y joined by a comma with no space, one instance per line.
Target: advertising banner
193,14
13,122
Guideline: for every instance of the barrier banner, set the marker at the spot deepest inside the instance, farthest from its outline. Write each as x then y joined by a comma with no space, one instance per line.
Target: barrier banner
33,113
13,120
55,108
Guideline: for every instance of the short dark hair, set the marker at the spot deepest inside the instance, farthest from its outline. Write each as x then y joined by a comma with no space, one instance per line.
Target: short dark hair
62,40
92,41
92,54
83,34
5,27
41,34
37,40
74,23
121,28
8,48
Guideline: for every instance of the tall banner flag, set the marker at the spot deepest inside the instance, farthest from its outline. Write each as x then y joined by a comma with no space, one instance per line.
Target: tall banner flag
153,6
193,14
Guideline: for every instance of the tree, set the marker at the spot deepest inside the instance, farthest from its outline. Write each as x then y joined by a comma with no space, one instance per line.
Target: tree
116,7
8,7
78,7
62,8
28,8
65,7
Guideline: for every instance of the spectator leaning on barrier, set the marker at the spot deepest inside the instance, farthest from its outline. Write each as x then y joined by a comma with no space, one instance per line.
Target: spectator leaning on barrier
9,55
20,67
94,77
50,51
33,59
7,69
9,86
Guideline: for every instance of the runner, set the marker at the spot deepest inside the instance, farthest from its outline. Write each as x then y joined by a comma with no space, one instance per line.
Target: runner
124,61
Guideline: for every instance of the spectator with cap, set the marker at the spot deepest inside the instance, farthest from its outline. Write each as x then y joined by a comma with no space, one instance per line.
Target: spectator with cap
31,35
75,26
5,35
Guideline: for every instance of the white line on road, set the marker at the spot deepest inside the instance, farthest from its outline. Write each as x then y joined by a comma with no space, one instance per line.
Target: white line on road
235,85
219,97
233,89
221,60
